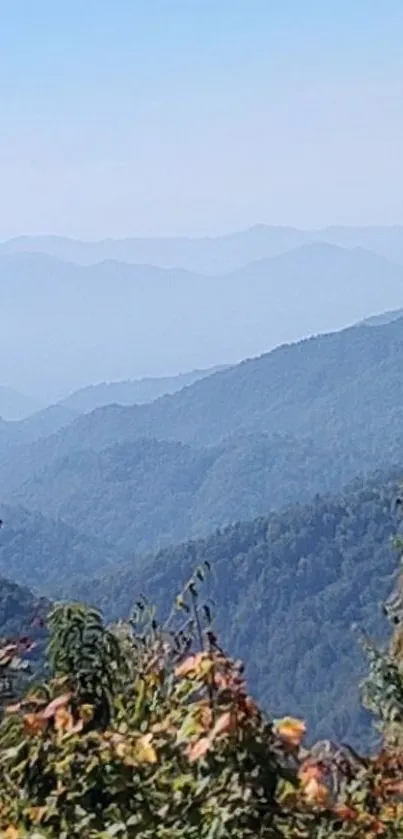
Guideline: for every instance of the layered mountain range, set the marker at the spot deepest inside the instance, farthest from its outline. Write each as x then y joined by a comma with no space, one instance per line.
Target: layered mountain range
64,324
281,470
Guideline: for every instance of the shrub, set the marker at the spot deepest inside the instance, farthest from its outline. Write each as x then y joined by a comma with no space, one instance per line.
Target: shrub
148,730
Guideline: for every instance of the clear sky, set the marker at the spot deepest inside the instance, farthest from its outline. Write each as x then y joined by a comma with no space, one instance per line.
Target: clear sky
121,117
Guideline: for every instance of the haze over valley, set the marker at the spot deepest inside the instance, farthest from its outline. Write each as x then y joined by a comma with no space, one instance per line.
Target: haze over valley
114,321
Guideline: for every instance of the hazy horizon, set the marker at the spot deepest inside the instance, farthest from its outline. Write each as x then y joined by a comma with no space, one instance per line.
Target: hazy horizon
220,234
137,119
140,121
64,324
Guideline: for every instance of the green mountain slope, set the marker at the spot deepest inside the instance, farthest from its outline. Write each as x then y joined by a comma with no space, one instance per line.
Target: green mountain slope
288,589
19,608
43,423
43,552
146,494
305,418
341,383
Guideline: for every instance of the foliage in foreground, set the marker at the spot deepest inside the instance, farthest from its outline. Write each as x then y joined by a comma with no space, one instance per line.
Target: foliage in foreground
148,730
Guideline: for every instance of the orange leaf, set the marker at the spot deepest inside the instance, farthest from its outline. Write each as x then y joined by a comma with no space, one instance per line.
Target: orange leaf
197,750
316,793
290,731
34,723
11,832
63,720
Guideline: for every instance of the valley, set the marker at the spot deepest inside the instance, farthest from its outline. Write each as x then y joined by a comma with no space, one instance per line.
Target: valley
280,471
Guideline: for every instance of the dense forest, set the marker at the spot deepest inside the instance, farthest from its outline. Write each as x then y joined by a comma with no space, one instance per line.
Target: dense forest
148,494
18,610
288,587
44,552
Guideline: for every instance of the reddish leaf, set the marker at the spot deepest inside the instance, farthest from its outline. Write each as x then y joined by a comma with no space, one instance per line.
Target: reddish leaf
197,750
225,723
189,665
59,702
345,813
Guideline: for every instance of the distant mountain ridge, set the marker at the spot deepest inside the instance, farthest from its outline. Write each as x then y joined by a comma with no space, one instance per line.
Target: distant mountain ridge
211,254
46,421
114,321
384,317
131,391
285,389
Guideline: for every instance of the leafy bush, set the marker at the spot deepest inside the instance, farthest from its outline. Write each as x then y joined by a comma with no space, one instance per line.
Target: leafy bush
148,730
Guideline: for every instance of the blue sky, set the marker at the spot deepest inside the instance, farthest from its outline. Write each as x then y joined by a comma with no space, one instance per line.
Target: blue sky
142,118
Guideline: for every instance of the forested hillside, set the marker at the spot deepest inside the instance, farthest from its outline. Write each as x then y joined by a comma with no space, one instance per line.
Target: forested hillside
46,553
288,589
303,419
148,493
19,611
344,382
45,422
